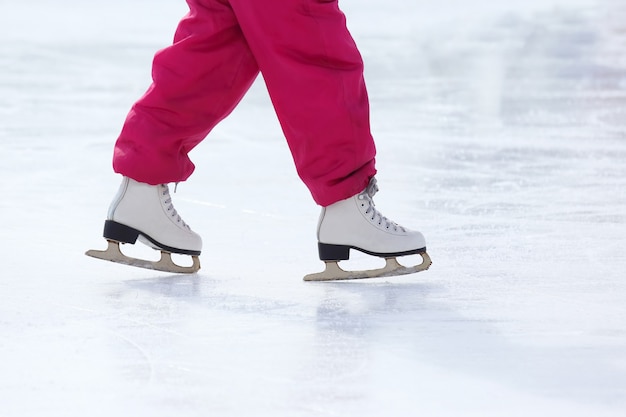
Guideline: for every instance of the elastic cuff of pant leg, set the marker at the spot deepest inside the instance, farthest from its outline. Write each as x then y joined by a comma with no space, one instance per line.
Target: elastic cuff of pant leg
150,176
351,189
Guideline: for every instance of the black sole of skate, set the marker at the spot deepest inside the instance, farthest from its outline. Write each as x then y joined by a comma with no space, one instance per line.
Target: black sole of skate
125,234
330,252
116,233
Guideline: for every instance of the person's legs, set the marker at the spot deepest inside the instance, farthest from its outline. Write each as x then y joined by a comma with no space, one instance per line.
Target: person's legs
314,75
197,82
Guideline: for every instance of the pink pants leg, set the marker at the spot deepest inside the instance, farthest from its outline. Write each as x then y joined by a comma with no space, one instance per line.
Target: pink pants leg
313,72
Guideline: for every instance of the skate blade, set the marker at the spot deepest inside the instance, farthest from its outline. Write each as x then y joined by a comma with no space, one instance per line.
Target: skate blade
333,271
165,264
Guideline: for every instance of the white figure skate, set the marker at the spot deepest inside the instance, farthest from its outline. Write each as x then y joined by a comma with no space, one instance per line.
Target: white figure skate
354,223
145,212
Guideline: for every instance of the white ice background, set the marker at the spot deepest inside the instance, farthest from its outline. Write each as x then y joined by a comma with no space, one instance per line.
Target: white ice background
501,130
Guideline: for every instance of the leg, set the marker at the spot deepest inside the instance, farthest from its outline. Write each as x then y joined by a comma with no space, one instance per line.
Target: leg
314,75
197,82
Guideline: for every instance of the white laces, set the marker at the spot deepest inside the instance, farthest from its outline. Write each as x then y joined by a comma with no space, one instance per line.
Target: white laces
367,196
167,200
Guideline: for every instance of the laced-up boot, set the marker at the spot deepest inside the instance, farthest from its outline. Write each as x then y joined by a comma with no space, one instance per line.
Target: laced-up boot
355,223
146,213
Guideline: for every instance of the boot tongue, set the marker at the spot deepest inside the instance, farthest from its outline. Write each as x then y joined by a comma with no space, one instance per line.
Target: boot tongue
372,188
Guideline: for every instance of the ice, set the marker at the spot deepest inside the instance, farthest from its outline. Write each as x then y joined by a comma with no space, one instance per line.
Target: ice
501,130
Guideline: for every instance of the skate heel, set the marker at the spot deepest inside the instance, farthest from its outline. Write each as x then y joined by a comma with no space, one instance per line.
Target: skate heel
329,252
119,232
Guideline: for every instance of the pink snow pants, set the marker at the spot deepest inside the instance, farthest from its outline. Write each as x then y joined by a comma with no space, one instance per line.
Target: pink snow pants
314,76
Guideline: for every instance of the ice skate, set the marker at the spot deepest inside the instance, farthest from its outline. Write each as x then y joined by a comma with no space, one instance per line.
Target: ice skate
145,212
354,223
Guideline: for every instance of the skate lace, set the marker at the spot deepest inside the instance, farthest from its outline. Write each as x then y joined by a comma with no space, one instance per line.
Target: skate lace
367,196
167,200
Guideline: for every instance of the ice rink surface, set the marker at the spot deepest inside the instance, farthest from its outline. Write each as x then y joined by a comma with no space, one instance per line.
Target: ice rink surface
501,130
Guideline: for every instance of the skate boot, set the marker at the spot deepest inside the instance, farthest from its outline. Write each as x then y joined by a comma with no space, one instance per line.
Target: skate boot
354,223
145,212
